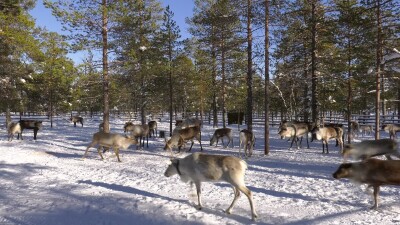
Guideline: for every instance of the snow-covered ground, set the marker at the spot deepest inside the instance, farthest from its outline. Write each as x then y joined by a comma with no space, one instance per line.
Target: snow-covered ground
46,182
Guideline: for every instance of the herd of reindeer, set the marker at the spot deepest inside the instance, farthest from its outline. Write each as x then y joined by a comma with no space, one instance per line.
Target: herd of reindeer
198,167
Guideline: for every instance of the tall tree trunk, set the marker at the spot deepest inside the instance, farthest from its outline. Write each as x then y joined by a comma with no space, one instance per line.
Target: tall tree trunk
106,105
378,68
249,69
214,83
306,103
266,62
398,98
314,81
349,95
223,82
170,93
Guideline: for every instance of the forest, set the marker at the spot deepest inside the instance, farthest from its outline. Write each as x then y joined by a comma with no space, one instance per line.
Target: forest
299,59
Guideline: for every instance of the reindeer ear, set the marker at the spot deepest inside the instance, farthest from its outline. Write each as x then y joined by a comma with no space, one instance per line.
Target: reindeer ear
173,161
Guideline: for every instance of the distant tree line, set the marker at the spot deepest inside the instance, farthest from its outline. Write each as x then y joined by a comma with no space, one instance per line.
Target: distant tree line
324,56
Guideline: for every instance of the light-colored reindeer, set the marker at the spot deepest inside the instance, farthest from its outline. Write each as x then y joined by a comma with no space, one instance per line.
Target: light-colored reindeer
392,129
14,128
290,132
138,131
108,140
197,168
152,128
327,133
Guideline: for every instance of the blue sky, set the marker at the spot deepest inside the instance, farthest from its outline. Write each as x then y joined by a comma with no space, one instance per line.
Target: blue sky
181,9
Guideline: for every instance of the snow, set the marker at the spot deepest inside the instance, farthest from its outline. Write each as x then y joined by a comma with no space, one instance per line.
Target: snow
46,182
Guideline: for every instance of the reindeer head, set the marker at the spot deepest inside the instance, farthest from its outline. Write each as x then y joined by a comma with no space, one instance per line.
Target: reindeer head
344,171
172,168
213,139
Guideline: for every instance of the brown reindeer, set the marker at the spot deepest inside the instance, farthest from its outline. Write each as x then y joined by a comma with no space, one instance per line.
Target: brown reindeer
76,119
34,125
182,135
247,140
220,134
373,172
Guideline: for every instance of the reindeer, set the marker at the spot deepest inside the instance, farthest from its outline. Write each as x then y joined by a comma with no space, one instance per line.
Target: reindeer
76,119
373,172
153,128
392,129
290,131
221,133
327,133
34,125
369,148
178,123
138,131
299,130
108,140
247,140
354,129
366,129
181,135
197,168
14,128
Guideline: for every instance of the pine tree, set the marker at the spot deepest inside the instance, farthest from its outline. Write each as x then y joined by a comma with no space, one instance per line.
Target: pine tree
90,27
18,46
169,35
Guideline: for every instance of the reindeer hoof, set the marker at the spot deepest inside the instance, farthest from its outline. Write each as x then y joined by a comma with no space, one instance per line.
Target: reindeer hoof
374,207
199,207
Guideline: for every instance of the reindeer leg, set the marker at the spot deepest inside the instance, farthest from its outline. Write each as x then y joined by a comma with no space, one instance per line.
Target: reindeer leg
293,141
35,130
236,193
327,150
199,139
198,190
376,192
98,150
297,142
249,195
116,150
191,145
87,149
